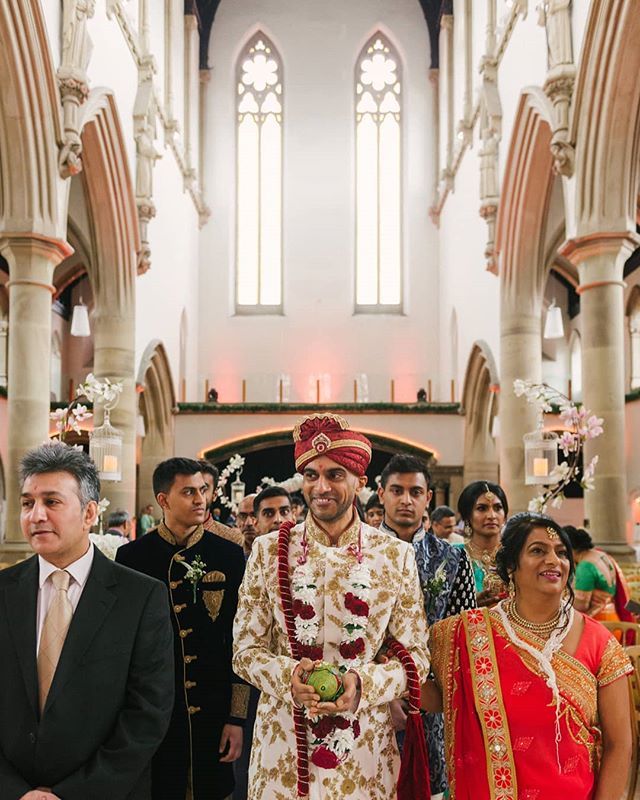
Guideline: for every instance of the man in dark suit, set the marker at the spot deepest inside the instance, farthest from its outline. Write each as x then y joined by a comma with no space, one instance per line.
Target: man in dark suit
203,572
86,667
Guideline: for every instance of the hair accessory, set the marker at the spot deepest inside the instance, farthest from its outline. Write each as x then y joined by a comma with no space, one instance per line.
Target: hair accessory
489,494
552,533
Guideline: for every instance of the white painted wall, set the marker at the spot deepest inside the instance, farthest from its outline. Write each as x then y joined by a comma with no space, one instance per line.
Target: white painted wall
441,433
171,284
318,332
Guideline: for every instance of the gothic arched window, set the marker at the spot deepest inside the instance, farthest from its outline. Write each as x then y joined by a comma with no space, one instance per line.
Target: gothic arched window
259,177
378,177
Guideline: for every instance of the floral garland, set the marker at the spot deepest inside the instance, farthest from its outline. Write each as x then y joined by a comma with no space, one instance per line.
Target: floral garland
331,737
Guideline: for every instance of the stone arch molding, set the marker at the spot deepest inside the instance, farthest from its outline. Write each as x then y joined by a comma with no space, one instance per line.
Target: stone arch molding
32,194
526,192
155,384
605,122
524,266
111,204
480,403
156,404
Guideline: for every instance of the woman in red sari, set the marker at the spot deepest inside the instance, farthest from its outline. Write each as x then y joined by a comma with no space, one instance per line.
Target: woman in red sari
535,701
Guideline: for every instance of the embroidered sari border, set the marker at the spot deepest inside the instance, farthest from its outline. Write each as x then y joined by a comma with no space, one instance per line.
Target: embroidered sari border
487,692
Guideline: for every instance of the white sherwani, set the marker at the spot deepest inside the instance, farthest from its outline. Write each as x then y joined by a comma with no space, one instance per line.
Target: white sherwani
262,656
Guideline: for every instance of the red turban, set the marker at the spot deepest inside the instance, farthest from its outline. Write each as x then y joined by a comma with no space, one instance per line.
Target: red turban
329,435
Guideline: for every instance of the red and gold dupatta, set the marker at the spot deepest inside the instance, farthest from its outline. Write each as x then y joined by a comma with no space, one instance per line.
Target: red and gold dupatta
500,716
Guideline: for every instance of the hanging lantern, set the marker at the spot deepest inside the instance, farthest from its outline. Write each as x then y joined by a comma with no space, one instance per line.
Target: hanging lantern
105,448
540,457
80,320
237,490
553,327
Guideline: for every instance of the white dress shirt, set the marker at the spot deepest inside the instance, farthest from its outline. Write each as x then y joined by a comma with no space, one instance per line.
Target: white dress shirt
79,572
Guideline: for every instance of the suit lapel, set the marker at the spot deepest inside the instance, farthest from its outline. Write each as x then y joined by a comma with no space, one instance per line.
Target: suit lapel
21,612
95,603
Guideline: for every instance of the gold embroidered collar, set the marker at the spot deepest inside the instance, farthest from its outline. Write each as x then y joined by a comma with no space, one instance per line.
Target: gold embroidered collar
347,537
194,538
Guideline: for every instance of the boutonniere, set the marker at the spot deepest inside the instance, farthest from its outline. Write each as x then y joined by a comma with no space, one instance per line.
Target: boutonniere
196,570
436,585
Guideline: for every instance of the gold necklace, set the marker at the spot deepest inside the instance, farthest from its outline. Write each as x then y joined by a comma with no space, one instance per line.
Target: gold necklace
484,558
541,629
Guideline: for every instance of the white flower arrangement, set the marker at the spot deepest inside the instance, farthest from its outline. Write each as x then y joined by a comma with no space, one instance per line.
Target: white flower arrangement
107,543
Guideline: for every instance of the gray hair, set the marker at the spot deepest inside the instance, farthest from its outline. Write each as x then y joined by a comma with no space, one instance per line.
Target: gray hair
118,518
59,457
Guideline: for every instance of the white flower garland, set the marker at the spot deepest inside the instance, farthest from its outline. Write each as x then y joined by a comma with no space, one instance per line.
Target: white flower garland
340,741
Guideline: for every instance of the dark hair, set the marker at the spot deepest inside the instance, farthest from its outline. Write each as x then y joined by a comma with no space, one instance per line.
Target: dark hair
270,491
579,538
207,468
165,473
59,457
297,499
441,512
118,518
514,535
402,464
373,502
472,492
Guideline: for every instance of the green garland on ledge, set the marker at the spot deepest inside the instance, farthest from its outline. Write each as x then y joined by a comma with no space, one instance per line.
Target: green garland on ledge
310,408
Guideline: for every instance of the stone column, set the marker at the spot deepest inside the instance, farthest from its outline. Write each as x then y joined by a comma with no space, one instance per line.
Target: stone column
520,357
114,358
600,259
31,260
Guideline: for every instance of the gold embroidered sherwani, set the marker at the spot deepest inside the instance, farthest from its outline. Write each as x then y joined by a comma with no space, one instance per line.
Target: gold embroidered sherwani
262,657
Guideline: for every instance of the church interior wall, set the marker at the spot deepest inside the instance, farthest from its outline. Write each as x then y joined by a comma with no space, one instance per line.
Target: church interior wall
318,210
442,434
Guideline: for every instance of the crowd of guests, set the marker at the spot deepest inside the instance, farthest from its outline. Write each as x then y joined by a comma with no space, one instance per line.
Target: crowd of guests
524,698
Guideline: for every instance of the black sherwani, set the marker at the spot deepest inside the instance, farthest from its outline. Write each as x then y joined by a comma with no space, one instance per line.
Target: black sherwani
208,694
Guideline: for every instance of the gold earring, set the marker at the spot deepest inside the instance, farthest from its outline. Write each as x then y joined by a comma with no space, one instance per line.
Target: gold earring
512,589
467,530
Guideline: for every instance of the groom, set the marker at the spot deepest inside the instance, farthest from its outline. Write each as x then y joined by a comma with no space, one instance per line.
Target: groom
332,589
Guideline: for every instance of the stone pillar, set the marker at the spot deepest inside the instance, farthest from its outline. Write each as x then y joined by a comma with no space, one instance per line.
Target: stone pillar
31,260
4,352
600,259
520,357
114,358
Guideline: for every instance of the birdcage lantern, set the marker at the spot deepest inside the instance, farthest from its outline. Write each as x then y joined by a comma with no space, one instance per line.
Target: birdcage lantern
237,490
105,448
540,457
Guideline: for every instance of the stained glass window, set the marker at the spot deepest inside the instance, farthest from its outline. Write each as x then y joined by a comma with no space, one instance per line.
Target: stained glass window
378,177
259,177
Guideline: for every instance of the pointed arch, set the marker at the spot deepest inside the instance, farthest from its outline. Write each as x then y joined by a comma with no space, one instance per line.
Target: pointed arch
480,403
259,99
378,139
606,113
110,204
528,182
157,401
633,327
524,265
30,124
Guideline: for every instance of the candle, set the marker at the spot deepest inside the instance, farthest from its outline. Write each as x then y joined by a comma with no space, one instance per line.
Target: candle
110,463
540,467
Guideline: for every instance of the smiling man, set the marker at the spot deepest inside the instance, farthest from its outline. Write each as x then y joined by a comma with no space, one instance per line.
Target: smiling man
86,673
202,572
331,589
